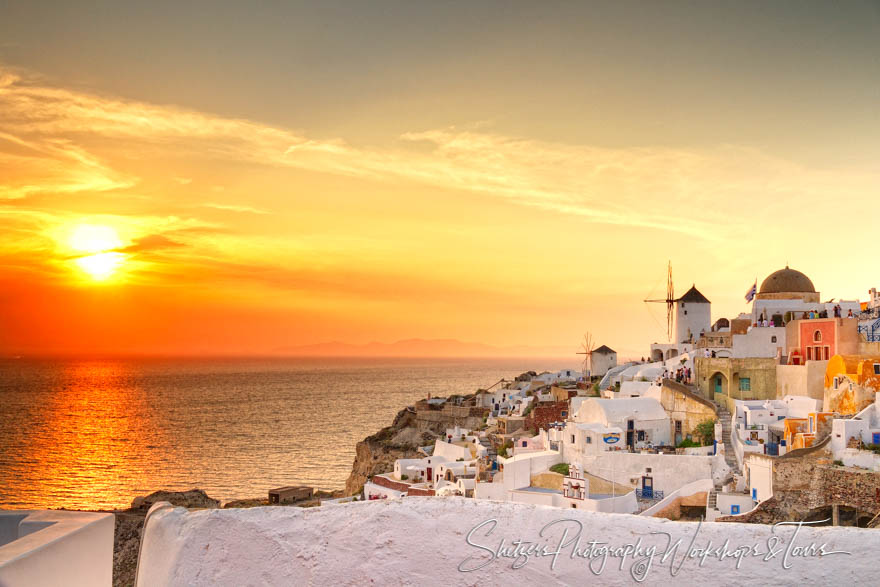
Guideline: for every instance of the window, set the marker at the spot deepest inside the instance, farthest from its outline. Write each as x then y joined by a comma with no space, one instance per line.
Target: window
641,435
563,413
745,384
734,509
837,381
827,350
772,339
572,438
589,440
809,353
685,312
817,336
876,368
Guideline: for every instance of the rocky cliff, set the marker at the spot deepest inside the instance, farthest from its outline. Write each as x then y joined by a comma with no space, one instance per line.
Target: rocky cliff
377,453
412,427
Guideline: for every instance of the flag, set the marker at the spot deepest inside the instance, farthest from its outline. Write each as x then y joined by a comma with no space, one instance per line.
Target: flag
753,291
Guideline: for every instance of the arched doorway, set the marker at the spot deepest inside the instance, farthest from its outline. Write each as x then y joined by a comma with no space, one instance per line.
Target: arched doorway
718,383
671,353
656,355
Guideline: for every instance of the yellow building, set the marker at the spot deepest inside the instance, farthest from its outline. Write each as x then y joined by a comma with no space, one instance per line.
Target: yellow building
794,426
850,383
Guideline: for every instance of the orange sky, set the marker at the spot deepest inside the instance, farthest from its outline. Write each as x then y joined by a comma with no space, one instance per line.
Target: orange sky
231,228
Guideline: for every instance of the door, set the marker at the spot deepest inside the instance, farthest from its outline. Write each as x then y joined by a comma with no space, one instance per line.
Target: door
647,487
677,432
718,384
875,437
429,474
630,434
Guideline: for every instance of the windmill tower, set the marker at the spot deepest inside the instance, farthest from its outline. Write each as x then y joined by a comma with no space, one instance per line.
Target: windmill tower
587,349
669,301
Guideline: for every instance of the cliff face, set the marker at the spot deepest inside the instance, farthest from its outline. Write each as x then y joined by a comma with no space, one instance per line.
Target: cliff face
377,453
412,427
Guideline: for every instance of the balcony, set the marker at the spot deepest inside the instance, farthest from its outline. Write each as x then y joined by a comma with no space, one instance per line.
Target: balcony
49,547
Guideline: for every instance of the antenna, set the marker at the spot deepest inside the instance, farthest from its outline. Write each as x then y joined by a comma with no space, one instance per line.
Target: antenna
669,301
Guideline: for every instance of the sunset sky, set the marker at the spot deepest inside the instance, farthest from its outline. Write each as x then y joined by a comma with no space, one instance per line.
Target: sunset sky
221,177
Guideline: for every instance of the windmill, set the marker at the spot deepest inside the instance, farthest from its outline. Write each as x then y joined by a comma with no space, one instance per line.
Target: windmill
587,351
669,301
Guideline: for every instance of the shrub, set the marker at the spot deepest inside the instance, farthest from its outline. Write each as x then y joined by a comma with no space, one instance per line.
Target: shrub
705,431
688,443
502,452
404,477
839,463
561,468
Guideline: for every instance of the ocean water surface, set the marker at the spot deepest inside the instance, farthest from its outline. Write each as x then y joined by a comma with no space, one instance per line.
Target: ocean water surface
93,434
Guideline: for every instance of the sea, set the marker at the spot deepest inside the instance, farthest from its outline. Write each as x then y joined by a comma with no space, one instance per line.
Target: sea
95,433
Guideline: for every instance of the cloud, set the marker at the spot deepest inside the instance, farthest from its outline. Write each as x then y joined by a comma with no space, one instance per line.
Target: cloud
48,134
235,208
150,242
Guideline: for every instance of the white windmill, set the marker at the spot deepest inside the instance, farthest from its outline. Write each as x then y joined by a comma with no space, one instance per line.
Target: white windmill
587,351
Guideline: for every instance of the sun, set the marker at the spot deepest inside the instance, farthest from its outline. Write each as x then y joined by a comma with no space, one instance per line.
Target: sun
101,265
101,244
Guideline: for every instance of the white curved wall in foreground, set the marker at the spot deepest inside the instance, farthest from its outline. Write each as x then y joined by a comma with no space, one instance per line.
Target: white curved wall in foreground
423,541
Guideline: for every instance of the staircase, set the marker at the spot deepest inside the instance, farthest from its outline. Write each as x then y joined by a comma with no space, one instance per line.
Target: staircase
729,455
712,501
490,450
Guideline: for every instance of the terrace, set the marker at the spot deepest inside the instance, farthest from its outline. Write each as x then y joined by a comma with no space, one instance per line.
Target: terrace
49,547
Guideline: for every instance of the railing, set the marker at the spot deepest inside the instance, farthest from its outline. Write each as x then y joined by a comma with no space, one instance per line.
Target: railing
654,494
871,331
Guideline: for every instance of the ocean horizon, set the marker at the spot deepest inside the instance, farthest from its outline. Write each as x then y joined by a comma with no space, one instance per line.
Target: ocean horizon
93,433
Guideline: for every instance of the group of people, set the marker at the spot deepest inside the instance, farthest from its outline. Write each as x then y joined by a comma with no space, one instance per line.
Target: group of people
838,313
680,375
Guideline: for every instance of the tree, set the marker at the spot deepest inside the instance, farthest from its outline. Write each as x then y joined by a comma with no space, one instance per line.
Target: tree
705,431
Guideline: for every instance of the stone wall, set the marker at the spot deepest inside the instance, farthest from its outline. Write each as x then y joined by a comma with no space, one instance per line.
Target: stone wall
807,480
683,406
543,414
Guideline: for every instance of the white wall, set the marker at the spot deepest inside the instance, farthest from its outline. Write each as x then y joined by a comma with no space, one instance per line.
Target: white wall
724,501
50,547
760,475
518,470
425,540
758,342
451,452
633,388
373,491
669,472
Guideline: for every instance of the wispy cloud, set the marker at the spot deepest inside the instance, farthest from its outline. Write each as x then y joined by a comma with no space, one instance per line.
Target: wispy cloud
45,132
235,208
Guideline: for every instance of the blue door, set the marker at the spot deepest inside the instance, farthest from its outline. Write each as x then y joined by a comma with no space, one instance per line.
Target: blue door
754,494
734,509
875,438
647,488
